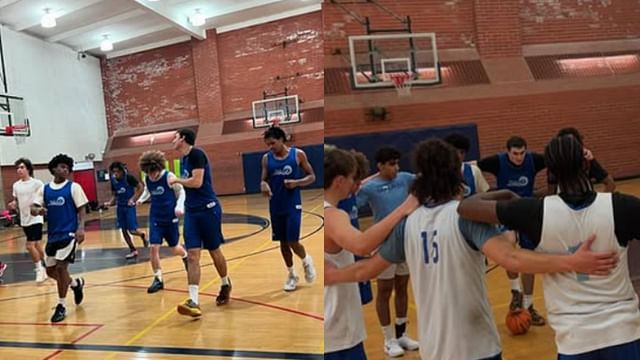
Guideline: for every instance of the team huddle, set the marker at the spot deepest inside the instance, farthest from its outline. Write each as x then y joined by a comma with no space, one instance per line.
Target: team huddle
188,196
440,225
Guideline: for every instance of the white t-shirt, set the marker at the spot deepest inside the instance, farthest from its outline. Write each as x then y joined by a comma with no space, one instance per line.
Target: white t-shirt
25,194
79,198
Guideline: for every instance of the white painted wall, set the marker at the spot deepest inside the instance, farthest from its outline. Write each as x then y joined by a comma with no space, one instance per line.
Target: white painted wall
64,100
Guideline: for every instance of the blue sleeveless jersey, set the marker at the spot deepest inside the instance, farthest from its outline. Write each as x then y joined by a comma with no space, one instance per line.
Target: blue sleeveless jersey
470,181
283,200
62,215
203,197
351,207
123,190
517,179
163,200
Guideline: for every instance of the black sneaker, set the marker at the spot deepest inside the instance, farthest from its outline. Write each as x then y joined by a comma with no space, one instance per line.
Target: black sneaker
516,301
536,318
59,314
156,285
224,295
186,264
78,294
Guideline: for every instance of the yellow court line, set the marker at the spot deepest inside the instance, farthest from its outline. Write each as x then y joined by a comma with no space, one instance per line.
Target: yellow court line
173,310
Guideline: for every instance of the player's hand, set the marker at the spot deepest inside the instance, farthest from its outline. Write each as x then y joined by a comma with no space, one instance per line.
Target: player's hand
131,203
13,205
265,189
588,155
290,183
409,205
595,263
80,236
178,212
330,270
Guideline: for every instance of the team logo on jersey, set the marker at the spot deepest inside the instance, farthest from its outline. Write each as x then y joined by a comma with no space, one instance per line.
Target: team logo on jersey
521,182
185,173
59,201
121,190
354,212
286,170
158,191
467,190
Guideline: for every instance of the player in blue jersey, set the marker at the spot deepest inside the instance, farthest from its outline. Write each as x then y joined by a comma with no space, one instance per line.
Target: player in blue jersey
516,170
167,205
474,181
63,202
202,220
281,181
126,189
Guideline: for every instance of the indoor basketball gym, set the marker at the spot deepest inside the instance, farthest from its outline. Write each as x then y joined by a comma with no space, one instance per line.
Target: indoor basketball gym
106,80
398,72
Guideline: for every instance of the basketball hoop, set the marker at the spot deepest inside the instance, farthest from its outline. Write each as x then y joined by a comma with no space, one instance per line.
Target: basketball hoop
401,83
19,133
275,122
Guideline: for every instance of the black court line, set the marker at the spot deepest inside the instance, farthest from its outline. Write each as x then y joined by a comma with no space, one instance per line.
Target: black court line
163,350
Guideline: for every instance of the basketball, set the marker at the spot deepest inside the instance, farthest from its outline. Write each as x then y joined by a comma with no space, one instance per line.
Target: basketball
518,322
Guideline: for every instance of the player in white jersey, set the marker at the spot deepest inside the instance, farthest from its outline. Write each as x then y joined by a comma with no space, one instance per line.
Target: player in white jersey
344,324
24,193
593,317
446,262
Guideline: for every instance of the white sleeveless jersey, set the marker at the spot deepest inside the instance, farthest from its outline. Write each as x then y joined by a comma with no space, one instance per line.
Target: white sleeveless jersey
587,312
455,320
343,320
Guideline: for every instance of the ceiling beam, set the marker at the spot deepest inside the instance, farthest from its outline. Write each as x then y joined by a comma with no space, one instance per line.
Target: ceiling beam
96,25
266,19
179,22
58,12
155,45
115,39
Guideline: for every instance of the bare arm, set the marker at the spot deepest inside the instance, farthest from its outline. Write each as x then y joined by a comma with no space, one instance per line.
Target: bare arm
195,181
145,196
306,166
609,184
136,195
359,271
82,214
481,207
264,184
502,251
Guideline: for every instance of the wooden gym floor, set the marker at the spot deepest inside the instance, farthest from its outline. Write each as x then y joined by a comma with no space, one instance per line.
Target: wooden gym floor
537,344
119,320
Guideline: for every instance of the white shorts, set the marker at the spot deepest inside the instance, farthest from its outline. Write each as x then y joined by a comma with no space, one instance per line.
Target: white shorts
394,270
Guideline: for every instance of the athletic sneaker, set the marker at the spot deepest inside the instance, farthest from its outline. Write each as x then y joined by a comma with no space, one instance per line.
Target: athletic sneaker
189,308
224,295
59,314
309,271
536,318
291,283
78,294
156,286
132,254
408,343
3,267
392,348
516,301
41,275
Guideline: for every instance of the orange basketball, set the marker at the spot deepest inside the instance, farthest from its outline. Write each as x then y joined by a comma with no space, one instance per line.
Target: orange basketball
518,321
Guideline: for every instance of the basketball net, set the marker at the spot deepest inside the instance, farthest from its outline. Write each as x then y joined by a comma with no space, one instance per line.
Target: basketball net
401,83
16,131
275,122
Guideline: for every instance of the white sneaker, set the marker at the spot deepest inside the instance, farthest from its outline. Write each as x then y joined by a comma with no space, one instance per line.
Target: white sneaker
291,283
309,271
408,343
392,348
41,275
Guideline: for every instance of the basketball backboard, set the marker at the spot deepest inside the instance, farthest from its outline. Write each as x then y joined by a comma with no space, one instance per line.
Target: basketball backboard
375,59
13,116
280,110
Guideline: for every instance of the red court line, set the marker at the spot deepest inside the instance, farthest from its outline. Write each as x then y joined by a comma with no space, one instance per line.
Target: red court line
58,352
281,308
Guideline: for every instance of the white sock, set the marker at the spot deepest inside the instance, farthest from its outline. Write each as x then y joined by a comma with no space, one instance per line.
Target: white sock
291,270
74,282
225,280
307,260
62,301
193,293
158,274
388,332
527,300
515,284
400,321
38,265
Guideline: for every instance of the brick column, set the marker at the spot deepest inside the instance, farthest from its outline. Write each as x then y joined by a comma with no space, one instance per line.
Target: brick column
207,78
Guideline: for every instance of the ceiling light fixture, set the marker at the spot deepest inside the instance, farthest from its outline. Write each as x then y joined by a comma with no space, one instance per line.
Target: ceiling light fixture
106,44
197,19
48,19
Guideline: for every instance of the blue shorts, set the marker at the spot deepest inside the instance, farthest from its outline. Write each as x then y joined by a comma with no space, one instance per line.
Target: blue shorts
354,353
366,294
126,216
628,351
166,231
286,227
203,228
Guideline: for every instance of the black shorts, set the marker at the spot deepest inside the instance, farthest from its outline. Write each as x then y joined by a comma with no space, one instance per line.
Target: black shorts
64,250
33,232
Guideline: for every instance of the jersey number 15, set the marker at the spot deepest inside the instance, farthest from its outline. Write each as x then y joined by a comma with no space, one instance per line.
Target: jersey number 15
430,246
